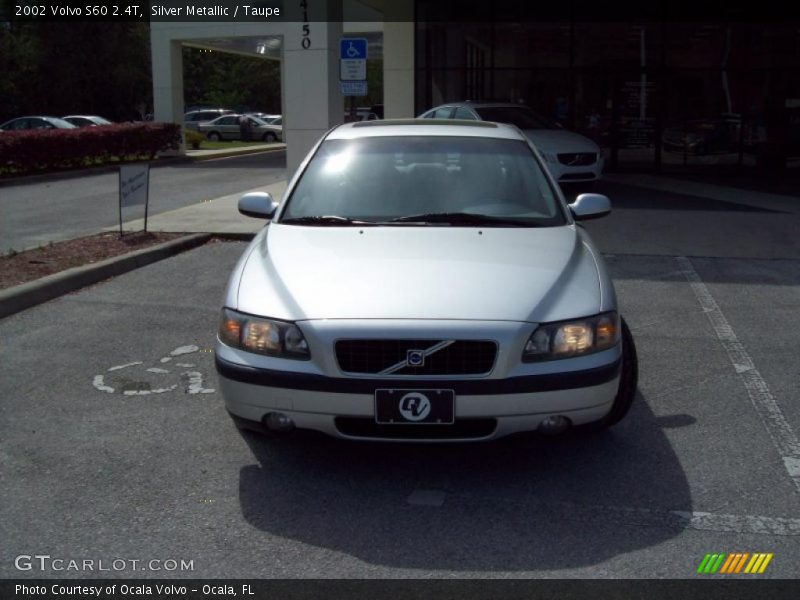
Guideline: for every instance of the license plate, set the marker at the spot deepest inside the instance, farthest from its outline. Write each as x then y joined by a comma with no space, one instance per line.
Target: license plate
415,407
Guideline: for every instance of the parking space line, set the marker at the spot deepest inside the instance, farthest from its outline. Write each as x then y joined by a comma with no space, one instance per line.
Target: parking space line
632,516
766,405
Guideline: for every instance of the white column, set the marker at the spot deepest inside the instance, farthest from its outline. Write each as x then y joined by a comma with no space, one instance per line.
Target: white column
167,60
398,60
311,100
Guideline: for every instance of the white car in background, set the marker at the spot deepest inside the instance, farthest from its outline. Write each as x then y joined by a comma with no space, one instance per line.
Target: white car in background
570,157
423,281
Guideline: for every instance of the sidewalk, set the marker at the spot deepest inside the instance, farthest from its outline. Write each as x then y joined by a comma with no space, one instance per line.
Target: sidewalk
219,215
739,195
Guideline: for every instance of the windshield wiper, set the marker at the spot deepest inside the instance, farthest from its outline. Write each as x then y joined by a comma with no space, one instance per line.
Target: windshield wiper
462,218
324,220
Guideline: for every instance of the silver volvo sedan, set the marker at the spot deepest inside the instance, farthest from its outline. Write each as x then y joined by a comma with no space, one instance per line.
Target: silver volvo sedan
423,280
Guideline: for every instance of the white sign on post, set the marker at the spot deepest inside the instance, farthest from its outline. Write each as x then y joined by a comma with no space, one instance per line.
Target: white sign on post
134,187
352,62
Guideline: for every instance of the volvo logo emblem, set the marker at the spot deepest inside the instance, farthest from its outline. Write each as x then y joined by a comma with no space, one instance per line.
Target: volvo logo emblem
414,406
415,358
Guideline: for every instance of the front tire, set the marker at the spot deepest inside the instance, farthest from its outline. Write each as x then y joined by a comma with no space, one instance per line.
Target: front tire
628,381
214,136
270,137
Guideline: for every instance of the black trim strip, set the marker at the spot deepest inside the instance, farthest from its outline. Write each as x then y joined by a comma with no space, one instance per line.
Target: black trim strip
462,387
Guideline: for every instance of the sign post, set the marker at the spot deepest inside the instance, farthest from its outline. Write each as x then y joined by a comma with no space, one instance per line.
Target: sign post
353,70
134,189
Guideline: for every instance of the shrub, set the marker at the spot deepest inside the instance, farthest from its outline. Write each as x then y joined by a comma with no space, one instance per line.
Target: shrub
194,139
45,149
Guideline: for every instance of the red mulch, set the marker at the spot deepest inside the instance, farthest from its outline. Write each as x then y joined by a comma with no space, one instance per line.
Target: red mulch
33,264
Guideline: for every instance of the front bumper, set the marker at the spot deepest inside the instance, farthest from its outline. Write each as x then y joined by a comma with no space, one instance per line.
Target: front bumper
344,407
575,174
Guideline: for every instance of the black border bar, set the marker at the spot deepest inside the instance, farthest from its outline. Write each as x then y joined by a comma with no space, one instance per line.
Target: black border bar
432,11
416,589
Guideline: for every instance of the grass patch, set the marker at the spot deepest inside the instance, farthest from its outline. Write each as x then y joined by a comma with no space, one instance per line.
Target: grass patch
209,145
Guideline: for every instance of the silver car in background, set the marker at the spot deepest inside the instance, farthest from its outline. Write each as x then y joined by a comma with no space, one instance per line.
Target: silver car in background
570,157
228,127
423,280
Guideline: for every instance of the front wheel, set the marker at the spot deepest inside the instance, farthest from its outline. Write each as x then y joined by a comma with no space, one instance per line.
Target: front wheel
628,381
270,137
213,136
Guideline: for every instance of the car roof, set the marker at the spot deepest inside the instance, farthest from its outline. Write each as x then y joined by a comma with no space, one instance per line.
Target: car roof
82,117
432,127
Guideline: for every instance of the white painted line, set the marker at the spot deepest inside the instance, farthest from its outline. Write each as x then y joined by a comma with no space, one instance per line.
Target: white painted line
157,370
166,359
100,384
741,523
148,392
766,406
130,364
196,383
184,350
185,365
426,498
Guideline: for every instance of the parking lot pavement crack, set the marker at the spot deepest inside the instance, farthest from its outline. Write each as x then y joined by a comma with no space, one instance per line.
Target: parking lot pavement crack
765,404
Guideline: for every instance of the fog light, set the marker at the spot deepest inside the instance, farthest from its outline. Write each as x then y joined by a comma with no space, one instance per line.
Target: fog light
276,421
554,425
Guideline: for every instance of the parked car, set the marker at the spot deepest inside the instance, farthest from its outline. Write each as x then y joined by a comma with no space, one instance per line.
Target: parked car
86,120
362,114
193,118
570,156
263,116
424,281
23,123
227,128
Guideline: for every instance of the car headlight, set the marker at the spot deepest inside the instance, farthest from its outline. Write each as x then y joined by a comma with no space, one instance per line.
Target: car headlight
565,339
262,336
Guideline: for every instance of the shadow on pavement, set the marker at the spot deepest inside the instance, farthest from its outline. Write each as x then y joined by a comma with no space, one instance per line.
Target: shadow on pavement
625,196
519,504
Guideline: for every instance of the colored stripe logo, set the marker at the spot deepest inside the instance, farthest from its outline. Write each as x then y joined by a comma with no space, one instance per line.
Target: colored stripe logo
736,562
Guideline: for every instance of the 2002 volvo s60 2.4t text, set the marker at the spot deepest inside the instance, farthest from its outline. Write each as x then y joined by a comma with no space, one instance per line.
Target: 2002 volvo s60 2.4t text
423,280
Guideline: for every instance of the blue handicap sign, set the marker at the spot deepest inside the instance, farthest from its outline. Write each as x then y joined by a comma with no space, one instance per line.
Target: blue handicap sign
352,48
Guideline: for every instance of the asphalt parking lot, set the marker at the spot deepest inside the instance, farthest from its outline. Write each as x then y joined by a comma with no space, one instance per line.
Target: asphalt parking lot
114,442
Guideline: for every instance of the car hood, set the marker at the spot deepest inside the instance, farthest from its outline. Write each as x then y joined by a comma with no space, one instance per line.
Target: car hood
518,274
554,141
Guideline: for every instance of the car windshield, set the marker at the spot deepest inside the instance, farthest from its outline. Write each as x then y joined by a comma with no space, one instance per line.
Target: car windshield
431,179
521,116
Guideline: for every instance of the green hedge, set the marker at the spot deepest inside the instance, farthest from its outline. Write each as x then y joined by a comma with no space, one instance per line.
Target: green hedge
23,152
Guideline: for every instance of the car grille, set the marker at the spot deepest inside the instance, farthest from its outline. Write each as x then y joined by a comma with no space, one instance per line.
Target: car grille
461,429
456,357
577,159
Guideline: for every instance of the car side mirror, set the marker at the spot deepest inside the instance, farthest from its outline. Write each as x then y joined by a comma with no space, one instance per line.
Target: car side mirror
590,206
259,205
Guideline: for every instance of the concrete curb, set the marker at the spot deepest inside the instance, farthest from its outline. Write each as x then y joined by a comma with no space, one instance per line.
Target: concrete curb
26,295
232,153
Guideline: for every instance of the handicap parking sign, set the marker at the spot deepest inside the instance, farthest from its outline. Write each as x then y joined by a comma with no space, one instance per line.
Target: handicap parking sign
353,59
353,48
